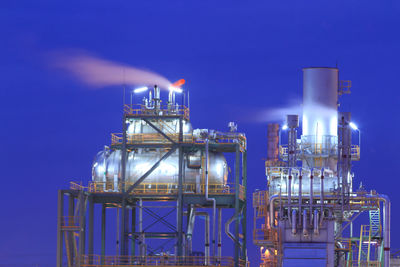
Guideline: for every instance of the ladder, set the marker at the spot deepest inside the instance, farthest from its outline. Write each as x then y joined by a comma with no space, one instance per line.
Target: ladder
364,248
375,222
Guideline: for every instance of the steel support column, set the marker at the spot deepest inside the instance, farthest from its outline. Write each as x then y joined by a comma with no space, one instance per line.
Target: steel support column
133,230
91,226
60,212
244,212
123,239
237,207
82,226
180,195
103,232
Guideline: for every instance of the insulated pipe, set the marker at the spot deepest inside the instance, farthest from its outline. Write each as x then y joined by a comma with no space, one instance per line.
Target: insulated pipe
231,219
290,195
294,225
219,233
311,194
305,232
271,209
386,229
316,223
207,239
210,199
322,196
300,194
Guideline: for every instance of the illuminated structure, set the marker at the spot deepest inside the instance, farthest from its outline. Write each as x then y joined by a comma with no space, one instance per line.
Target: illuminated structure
159,166
305,218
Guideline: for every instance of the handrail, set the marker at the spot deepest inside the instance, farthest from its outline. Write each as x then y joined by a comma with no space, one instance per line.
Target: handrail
161,260
164,188
142,110
156,138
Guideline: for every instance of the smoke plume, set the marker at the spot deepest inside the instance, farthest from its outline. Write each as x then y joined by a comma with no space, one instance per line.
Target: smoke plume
98,73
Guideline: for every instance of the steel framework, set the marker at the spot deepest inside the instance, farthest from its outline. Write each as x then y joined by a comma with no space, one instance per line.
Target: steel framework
76,221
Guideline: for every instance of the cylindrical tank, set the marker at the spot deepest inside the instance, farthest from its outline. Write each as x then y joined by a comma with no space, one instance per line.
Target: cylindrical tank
273,141
107,168
320,99
320,118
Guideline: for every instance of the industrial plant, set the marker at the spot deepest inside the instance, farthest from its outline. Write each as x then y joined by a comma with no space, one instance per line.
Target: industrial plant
153,183
159,180
309,212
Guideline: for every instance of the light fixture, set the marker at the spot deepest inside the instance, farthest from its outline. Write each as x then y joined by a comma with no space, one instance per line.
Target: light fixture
353,126
175,89
141,89
284,127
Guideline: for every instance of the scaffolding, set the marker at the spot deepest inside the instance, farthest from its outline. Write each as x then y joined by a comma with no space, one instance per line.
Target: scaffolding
76,205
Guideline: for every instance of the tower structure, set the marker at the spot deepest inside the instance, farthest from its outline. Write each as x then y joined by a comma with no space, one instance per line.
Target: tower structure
305,217
151,183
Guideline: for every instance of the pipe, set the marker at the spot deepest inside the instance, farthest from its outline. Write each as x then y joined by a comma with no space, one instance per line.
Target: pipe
210,199
228,222
311,194
300,194
190,227
294,225
290,195
386,229
141,236
271,209
316,223
207,239
305,232
219,233
322,196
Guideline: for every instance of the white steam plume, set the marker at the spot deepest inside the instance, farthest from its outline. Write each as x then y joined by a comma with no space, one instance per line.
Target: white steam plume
98,73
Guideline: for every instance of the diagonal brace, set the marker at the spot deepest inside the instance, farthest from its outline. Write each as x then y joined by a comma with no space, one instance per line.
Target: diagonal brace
159,131
144,176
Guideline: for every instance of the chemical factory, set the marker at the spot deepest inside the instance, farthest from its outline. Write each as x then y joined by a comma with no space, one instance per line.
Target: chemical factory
153,183
160,179
308,214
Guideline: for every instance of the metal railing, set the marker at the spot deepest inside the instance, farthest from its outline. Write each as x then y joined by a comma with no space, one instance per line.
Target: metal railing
164,188
156,138
163,110
162,260
69,222
355,152
77,186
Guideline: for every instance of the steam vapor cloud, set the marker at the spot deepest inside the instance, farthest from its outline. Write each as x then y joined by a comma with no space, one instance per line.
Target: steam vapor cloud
98,73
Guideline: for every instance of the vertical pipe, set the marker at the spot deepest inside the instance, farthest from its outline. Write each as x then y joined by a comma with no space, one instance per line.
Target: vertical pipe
219,233
300,194
311,194
141,234
207,239
322,196
60,210
386,230
305,232
290,196
294,225
316,223
103,232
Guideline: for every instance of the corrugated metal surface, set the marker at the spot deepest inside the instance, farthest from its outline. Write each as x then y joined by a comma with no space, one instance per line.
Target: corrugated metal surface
304,254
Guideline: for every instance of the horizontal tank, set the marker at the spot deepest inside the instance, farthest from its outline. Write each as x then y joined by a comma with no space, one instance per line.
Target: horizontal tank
107,168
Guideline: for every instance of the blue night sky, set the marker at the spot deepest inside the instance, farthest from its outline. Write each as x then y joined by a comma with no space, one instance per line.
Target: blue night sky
239,58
